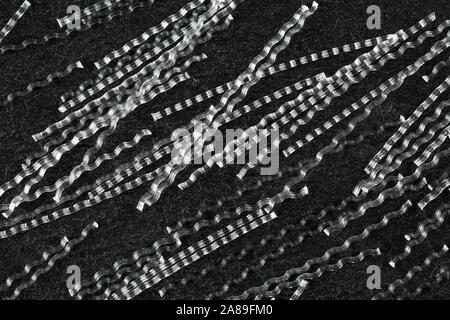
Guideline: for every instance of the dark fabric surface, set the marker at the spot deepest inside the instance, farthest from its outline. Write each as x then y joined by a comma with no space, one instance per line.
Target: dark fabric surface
123,229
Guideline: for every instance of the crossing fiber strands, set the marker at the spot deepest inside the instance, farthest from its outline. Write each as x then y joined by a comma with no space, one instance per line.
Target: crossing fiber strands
399,283
87,25
371,167
191,254
208,226
39,267
298,292
50,160
254,75
282,282
361,65
247,108
132,57
441,276
142,94
318,107
182,49
421,234
150,32
272,70
319,217
89,11
14,19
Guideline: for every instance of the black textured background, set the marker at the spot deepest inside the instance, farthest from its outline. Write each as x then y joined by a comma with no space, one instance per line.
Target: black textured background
123,229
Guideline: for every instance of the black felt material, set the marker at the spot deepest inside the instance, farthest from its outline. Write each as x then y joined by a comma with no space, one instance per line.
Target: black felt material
123,229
